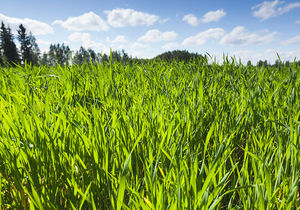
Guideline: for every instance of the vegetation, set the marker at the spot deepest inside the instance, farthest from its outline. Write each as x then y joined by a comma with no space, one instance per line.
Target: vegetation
61,54
156,135
179,55
29,49
8,48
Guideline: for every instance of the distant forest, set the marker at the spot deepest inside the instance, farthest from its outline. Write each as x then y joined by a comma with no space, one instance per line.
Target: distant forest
61,54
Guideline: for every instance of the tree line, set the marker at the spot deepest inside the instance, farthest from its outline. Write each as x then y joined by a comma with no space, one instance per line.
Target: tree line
60,54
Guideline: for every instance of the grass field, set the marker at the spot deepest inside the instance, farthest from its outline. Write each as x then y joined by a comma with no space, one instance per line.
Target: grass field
153,136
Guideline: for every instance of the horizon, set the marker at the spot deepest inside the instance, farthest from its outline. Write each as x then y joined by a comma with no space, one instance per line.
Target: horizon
254,31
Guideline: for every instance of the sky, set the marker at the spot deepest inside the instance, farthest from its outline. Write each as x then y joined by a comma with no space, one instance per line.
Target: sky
248,30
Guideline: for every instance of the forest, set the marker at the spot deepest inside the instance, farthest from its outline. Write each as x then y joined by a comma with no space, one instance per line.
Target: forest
61,54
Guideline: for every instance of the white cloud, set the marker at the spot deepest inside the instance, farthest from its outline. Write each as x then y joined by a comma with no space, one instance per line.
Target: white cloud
137,45
129,17
270,55
269,9
79,37
164,20
191,19
86,22
117,39
202,37
35,26
170,45
42,42
156,36
239,36
43,45
297,22
138,49
213,16
294,40
288,7
86,42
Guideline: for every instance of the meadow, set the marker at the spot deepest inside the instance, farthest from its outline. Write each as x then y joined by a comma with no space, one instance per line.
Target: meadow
156,135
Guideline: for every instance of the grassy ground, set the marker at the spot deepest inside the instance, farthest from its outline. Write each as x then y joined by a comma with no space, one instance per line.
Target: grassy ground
152,136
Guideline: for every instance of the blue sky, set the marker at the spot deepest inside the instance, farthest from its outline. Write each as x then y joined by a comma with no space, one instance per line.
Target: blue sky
250,30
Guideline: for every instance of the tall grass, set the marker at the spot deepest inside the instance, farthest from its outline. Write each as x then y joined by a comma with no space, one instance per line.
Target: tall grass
152,136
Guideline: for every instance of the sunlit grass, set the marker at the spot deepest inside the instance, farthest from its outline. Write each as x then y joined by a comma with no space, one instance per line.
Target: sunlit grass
154,136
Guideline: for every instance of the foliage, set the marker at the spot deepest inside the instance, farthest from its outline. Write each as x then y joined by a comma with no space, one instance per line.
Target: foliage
85,56
29,48
156,135
7,45
59,54
178,55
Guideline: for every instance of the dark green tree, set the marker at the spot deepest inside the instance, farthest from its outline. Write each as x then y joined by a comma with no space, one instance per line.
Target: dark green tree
104,58
59,54
7,45
260,63
277,63
85,56
44,59
178,55
29,49
287,64
249,63
92,56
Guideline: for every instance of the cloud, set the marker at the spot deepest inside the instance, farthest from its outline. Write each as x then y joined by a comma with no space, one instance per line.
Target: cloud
288,7
79,37
170,45
86,22
156,36
294,40
117,39
42,42
138,49
191,19
137,45
86,42
43,45
213,16
202,37
297,22
129,17
164,20
269,9
35,26
269,54
239,36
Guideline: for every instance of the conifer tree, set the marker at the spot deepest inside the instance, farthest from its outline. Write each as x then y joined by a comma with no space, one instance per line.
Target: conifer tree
29,49
7,45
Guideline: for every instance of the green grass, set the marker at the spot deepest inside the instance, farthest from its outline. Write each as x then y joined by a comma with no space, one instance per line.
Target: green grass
151,136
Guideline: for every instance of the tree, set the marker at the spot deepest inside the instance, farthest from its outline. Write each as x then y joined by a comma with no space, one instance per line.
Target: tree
85,56
178,55
44,59
29,49
7,45
287,64
59,54
249,63
260,63
104,58
277,63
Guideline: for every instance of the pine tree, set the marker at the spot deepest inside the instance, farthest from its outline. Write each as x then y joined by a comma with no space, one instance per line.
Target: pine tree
60,54
29,49
7,45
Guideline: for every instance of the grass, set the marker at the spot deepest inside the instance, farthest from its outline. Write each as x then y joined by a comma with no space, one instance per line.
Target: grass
153,136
